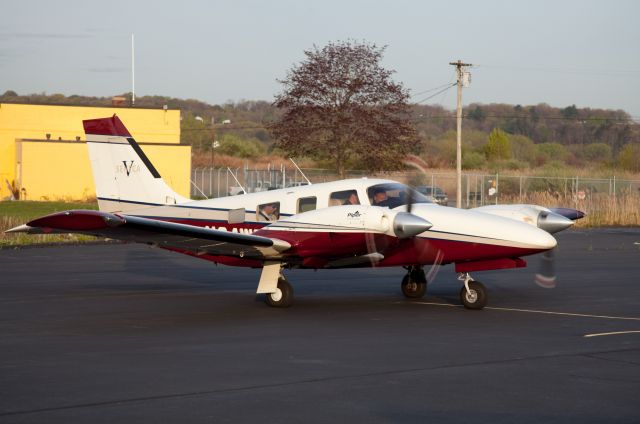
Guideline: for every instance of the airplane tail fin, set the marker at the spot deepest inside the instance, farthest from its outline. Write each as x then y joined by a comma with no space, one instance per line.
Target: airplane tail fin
125,178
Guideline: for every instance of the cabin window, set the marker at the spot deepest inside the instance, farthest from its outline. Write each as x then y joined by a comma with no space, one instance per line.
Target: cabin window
345,197
307,204
268,211
392,195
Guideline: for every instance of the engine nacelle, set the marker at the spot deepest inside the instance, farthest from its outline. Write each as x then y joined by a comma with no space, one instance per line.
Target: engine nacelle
355,218
539,216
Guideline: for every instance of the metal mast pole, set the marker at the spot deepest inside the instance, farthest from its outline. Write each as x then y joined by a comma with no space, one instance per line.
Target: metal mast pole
133,71
460,71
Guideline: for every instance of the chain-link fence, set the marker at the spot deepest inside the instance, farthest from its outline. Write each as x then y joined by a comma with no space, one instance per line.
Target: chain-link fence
477,189
221,182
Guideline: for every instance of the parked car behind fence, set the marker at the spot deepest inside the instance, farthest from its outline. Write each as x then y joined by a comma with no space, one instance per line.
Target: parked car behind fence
436,193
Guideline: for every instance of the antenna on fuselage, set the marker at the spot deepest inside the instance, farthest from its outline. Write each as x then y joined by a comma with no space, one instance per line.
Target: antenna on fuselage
300,170
238,182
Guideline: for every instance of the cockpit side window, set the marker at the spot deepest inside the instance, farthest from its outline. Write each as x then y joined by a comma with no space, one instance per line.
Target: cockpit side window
345,197
392,195
268,211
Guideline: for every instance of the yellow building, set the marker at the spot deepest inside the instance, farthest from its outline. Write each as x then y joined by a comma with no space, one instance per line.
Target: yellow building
43,154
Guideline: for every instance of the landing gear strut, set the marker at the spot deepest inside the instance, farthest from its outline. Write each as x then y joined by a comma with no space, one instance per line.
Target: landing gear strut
473,294
278,292
282,297
414,284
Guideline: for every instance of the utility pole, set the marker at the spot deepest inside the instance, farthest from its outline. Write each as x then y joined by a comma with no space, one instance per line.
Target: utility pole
463,77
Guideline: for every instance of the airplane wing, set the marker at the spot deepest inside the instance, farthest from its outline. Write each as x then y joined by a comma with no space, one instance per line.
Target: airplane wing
159,233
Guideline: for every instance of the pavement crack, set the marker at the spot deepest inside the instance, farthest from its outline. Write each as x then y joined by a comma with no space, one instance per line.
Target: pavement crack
620,361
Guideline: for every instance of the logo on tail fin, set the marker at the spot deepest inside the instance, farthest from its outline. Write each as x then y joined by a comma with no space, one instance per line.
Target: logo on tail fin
127,168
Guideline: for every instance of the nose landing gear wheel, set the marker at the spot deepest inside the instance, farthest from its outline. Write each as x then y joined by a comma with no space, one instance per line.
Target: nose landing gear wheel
476,297
282,297
414,284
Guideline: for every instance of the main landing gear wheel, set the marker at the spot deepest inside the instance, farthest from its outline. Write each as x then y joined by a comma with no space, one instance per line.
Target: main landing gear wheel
414,284
476,297
282,297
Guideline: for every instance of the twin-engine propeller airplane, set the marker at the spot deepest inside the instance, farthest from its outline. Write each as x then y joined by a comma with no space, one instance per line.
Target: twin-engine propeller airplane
341,224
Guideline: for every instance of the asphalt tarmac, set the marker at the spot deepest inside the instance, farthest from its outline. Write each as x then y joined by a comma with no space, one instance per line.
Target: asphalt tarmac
126,333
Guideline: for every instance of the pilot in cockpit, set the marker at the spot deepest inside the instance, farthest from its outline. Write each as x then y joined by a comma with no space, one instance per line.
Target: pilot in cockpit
268,212
352,199
380,197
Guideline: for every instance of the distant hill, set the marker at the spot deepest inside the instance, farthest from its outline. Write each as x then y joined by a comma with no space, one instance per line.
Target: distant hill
571,127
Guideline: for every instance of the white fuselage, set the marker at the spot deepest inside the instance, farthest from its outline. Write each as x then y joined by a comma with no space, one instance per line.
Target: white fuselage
241,213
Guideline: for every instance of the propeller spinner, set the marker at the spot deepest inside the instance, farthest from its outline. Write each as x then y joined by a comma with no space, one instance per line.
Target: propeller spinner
407,225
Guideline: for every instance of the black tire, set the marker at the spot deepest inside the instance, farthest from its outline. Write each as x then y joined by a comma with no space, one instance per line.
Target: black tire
283,297
477,298
413,288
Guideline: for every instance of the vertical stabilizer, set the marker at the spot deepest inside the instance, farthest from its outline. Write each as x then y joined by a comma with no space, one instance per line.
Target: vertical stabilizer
125,178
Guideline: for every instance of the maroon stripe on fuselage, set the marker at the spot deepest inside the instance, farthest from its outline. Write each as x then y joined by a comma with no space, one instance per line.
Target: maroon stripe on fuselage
425,251
335,245
418,250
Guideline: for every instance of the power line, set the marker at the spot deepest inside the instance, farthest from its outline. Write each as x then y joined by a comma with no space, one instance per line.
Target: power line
437,93
430,90
444,95
629,120
557,118
579,71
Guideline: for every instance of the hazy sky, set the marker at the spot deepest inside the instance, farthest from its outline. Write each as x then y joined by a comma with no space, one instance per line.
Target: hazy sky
527,52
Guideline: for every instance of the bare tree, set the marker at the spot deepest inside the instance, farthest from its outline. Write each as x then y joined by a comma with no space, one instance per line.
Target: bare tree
341,106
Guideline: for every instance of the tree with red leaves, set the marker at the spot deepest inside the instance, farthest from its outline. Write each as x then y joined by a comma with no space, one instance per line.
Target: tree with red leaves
341,106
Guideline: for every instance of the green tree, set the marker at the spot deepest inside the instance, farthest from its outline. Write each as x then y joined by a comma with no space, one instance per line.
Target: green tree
551,151
498,146
195,132
522,148
473,160
629,157
570,112
477,114
233,145
341,106
596,153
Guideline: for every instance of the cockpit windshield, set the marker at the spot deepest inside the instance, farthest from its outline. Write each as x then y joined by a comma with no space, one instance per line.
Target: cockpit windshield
393,195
